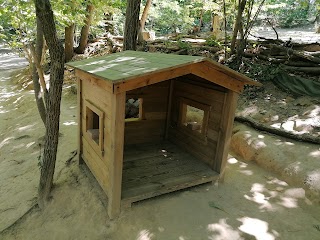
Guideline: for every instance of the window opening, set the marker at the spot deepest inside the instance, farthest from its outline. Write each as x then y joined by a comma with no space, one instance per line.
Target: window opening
133,109
93,124
193,118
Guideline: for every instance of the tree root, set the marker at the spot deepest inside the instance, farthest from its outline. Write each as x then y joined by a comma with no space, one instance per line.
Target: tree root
279,132
23,216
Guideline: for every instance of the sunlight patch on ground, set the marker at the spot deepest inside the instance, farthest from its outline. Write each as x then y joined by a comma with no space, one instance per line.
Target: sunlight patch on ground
145,235
288,202
277,181
315,154
5,141
222,230
232,160
314,177
24,128
293,168
73,123
260,198
257,228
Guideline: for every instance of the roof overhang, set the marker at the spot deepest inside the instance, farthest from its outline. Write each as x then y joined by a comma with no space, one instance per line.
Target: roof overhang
129,70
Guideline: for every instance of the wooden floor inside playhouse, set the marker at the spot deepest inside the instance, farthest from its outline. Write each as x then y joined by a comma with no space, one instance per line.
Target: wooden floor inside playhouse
153,169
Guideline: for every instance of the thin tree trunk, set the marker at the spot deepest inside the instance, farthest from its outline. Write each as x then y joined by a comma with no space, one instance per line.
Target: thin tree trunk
225,29
131,25
237,25
35,76
143,20
56,51
201,19
68,42
85,30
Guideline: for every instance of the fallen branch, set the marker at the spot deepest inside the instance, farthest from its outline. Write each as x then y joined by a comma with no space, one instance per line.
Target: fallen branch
263,57
298,53
271,25
279,132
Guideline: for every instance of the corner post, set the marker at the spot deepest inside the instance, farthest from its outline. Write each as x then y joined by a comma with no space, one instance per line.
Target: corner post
80,109
117,118
225,133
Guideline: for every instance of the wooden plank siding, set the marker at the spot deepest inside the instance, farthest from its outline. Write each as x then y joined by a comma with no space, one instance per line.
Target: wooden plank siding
152,127
97,166
105,165
226,127
204,148
115,142
79,110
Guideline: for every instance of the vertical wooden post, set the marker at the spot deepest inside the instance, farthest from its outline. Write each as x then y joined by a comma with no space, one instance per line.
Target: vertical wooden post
80,109
169,108
226,127
116,153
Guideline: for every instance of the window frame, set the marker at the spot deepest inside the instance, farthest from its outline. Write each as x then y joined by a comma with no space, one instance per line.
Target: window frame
98,147
141,111
183,103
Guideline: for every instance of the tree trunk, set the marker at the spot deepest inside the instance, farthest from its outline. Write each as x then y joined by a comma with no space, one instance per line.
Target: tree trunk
317,23
56,51
35,76
237,25
85,31
143,20
131,25
280,132
68,42
201,19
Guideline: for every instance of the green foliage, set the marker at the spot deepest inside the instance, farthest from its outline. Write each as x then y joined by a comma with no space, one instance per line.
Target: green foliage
287,13
168,16
212,41
261,71
184,45
17,21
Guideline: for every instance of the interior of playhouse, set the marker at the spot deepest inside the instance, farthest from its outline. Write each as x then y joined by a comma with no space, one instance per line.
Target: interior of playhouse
171,136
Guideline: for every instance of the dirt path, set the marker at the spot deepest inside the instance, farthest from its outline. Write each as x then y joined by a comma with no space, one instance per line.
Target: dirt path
21,132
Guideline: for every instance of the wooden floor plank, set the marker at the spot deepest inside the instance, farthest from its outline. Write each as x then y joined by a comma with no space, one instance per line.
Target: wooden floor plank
159,173
160,168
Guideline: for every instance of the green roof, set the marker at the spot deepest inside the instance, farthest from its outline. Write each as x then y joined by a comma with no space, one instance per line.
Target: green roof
128,64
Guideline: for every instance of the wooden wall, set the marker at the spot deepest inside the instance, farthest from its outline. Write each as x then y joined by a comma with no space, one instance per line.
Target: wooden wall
151,127
96,160
205,147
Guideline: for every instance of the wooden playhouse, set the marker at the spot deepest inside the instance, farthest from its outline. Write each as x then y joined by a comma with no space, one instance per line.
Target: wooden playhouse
152,123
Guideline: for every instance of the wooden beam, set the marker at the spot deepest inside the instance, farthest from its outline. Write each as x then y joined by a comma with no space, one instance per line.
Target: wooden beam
152,78
79,97
232,73
104,84
169,108
116,153
206,71
226,127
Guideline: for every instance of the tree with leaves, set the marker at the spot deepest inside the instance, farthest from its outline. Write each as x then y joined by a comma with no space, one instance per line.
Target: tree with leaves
45,15
143,20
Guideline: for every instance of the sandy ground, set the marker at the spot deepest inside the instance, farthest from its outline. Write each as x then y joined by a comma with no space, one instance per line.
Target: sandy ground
252,203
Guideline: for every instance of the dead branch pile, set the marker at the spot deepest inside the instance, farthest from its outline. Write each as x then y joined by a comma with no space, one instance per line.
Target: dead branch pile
292,56
183,46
